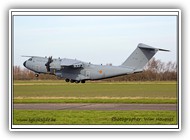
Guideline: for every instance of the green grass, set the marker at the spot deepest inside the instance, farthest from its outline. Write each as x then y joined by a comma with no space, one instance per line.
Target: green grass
66,117
42,91
96,100
128,89
94,92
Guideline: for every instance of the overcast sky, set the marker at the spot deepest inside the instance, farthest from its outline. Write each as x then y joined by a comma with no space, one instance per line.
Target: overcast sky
95,39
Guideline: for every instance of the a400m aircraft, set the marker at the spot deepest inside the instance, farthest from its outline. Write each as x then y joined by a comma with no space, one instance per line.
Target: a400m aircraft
73,70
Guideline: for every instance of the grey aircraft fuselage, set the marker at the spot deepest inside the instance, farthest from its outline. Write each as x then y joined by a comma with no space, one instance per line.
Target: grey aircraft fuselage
73,70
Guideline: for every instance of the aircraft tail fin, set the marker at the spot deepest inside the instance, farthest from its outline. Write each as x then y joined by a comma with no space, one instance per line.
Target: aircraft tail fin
140,57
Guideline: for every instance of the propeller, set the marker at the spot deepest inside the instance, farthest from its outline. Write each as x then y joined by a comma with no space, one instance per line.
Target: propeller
48,63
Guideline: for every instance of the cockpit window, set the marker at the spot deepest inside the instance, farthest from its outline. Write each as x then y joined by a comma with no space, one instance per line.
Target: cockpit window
30,59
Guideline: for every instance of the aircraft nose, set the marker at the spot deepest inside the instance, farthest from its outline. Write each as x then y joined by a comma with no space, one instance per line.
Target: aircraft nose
24,63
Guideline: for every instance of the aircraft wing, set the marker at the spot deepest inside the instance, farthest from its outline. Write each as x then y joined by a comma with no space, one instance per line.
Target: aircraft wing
71,63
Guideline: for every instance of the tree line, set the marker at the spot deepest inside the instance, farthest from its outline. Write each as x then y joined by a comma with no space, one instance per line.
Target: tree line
155,70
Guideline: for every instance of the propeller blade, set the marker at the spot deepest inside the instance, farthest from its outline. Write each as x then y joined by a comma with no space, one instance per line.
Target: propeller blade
50,60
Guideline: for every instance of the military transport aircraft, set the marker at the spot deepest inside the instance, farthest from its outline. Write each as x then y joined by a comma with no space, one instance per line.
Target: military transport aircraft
73,70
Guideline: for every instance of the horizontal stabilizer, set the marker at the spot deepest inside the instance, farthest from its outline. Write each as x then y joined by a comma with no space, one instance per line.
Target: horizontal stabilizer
143,46
164,50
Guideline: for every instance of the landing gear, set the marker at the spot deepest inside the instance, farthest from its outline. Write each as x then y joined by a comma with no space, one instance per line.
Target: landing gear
36,75
67,80
74,81
77,82
83,81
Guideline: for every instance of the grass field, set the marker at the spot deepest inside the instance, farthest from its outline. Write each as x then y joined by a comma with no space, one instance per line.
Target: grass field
94,117
94,92
107,92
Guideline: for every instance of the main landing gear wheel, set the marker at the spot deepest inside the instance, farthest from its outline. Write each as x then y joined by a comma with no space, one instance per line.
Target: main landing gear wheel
67,80
77,82
72,81
83,81
36,75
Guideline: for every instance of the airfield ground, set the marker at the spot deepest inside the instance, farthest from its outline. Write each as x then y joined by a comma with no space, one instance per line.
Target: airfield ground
33,92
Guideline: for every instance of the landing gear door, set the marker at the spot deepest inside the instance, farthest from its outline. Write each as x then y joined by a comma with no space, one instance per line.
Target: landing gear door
88,74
